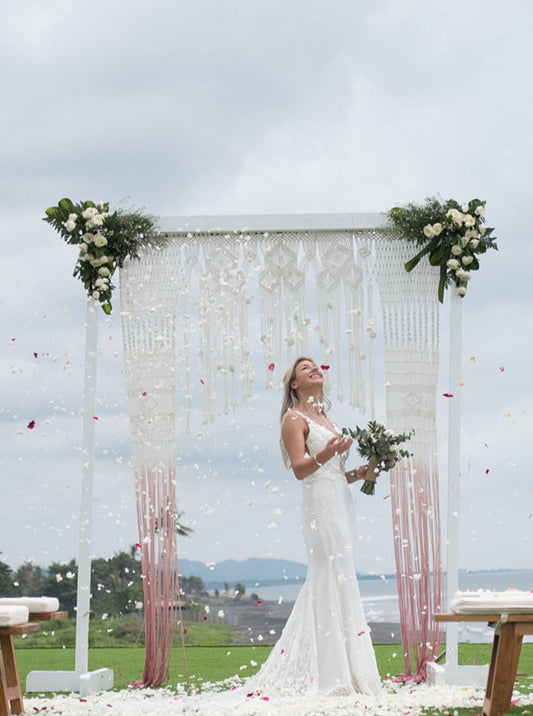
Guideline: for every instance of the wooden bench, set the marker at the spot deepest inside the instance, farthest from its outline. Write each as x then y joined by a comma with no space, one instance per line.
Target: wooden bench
10,689
509,630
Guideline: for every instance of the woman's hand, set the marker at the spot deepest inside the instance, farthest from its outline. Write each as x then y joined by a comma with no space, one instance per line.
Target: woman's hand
337,445
362,473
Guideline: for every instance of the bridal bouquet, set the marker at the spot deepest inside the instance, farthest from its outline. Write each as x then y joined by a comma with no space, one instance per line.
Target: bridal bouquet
105,240
382,448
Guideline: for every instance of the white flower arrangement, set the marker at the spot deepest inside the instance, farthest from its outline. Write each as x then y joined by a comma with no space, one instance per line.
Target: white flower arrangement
105,240
454,235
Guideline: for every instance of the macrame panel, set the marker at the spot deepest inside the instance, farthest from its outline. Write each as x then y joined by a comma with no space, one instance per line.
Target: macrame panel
149,293
411,330
201,313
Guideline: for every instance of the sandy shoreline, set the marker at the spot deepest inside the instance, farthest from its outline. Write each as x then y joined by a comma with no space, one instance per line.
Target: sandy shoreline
262,622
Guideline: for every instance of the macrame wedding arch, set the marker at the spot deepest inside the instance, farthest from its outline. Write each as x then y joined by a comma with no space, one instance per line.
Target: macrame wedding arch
186,314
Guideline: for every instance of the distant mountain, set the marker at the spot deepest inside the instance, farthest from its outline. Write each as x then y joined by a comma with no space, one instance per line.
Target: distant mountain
249,572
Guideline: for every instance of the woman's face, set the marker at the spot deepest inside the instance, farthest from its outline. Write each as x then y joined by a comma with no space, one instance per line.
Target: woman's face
307,375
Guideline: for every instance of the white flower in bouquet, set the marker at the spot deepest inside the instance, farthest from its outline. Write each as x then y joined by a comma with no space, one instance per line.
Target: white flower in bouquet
457,250
104,271
89,212
100,240
463,275
467,260
428,231
97,220
460,290
88,238
453,264
480,210
70,225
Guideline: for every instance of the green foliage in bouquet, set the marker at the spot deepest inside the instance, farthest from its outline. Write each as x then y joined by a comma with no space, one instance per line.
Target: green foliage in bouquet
105,240
452,234
380,446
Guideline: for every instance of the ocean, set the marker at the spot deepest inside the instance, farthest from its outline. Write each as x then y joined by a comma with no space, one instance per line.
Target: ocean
380,597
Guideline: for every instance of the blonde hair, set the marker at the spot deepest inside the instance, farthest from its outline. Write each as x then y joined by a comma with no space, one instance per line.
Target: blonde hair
290,399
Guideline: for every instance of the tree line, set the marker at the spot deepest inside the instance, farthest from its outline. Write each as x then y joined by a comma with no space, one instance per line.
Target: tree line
116,584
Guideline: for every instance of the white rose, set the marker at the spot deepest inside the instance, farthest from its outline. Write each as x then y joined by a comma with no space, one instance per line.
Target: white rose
464,208
100,240
467,260
104,271
463,275
482,229
428,231
437,228
458,218
473,243
457,250
453,264
70,226
72,217
464,241
97,220
101,283
88,238
89,212
479,210
100,205
96,295
460,290
469,221
84,248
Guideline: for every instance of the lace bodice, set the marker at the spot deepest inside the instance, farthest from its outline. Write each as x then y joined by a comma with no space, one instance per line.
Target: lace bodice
318,437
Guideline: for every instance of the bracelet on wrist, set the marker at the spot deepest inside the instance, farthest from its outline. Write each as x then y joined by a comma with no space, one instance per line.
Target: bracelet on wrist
317,461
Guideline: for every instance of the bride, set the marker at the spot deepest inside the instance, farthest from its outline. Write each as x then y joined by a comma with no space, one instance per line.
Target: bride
325,646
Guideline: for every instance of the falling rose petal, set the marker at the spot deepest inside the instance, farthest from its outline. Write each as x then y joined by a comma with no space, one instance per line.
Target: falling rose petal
35,355
360,633
95,417
137,545
271,366
386,497
31,424
202,382
472,359
487,471
259,602
144,394
324,367
502,368
448,395
507,415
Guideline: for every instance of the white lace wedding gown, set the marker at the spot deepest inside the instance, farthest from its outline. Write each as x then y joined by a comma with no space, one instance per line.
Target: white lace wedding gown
325,645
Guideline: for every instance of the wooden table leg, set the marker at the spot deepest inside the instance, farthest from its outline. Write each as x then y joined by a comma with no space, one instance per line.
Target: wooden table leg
11,701
502,673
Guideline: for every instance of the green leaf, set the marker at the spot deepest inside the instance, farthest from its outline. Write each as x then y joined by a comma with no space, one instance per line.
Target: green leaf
442,283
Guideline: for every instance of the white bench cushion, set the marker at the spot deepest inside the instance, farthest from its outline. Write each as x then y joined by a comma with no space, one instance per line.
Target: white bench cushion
512,601
13,615
37,605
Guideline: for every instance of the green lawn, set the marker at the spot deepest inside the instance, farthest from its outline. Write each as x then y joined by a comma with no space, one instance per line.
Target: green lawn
217,662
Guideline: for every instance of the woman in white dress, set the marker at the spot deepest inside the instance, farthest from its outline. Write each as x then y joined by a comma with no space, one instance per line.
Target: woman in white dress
325,646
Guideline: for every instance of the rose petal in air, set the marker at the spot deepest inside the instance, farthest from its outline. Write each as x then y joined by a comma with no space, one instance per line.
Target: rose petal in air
271,366
31,424
324,367
448,395
502,368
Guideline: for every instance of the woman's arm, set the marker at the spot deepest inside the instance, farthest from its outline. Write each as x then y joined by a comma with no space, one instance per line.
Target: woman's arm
294,433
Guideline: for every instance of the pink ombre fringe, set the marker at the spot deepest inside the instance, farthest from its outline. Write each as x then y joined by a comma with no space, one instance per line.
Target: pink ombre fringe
417,548
157,519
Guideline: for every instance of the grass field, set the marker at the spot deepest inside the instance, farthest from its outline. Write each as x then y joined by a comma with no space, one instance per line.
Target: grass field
211,658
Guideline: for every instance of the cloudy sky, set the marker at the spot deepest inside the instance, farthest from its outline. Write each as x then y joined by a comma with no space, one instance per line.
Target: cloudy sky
243,107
